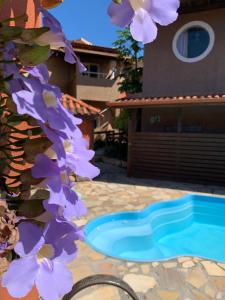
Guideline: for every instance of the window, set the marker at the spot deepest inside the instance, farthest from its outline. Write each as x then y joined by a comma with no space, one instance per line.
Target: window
193,42
92,70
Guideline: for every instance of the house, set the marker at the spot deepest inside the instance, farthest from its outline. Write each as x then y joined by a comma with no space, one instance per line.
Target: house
15,8
177,128
86,112
98,85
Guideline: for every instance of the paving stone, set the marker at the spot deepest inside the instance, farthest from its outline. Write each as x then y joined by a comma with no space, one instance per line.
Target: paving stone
197,259
145,269
218,283
81,271
213,269
221,265
155,264
169,295
183,259
170,265
170,278
196,278
188,264
95,255
122,268
106,267
130,264
199,295
211,292
102,293
182,270
134,270
219,296
81,222
140,283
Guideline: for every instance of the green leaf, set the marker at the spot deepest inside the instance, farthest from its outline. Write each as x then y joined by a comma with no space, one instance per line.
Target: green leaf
33,33
8,33
35,55
23,17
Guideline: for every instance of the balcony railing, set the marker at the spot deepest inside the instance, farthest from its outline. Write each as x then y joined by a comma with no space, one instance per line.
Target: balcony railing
110,76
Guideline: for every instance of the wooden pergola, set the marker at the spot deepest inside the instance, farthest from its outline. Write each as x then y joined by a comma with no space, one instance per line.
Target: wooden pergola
188,6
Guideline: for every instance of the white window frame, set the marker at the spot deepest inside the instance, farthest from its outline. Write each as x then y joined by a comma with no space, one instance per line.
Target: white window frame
201,24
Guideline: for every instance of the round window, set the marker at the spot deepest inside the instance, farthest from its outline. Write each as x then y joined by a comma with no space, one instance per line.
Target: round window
193,41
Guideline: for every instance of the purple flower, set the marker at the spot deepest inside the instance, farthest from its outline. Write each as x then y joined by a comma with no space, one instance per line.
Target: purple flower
63,201
58,37
40,72
42,263
43,102
142,16
78,156
72,153
3,247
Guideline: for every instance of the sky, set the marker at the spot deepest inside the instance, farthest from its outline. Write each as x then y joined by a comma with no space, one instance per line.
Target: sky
87,19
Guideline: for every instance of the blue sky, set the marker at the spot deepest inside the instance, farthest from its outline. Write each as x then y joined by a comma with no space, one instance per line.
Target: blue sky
87,19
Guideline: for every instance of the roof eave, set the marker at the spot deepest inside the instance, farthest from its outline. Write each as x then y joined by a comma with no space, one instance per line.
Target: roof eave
192,6
165,102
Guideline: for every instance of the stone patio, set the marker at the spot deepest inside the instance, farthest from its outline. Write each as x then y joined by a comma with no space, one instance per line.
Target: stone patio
184,278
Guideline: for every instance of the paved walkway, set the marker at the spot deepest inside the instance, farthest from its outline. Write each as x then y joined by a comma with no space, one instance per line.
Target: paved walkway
184,278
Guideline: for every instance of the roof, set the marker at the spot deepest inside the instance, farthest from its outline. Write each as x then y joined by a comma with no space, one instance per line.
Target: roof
79,107
83,41
165,101
200,5
83,46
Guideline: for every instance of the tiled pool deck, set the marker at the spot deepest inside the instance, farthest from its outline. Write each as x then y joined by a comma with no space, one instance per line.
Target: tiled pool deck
184,278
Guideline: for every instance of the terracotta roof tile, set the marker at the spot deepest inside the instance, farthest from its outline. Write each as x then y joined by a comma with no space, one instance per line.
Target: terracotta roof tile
79,107
179,100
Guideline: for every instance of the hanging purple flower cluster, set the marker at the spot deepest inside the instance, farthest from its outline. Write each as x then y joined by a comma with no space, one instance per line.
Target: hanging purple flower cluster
44,252
45,248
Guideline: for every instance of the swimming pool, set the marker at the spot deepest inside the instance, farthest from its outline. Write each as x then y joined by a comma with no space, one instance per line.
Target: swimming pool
193,225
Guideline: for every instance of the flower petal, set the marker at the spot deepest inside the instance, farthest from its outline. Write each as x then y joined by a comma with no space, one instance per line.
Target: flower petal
81,167
62,235
143,28
164,12
31,239
20,277
44,167
54,284
39,71
121,14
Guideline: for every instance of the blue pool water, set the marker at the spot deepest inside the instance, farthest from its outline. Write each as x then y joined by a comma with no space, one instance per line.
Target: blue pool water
193,225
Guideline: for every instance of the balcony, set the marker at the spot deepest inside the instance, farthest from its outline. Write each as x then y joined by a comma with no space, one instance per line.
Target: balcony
97,86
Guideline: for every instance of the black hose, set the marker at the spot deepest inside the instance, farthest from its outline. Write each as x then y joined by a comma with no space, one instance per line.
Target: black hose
99,280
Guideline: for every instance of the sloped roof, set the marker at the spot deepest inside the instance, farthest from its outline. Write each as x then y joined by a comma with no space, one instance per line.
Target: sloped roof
84,46
79,107
165,101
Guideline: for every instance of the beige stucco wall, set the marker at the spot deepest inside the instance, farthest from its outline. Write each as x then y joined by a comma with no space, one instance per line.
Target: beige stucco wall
62,74
165,75
97,89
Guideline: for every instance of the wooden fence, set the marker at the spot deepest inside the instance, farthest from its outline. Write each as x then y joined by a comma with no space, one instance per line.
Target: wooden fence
178,156
115,143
